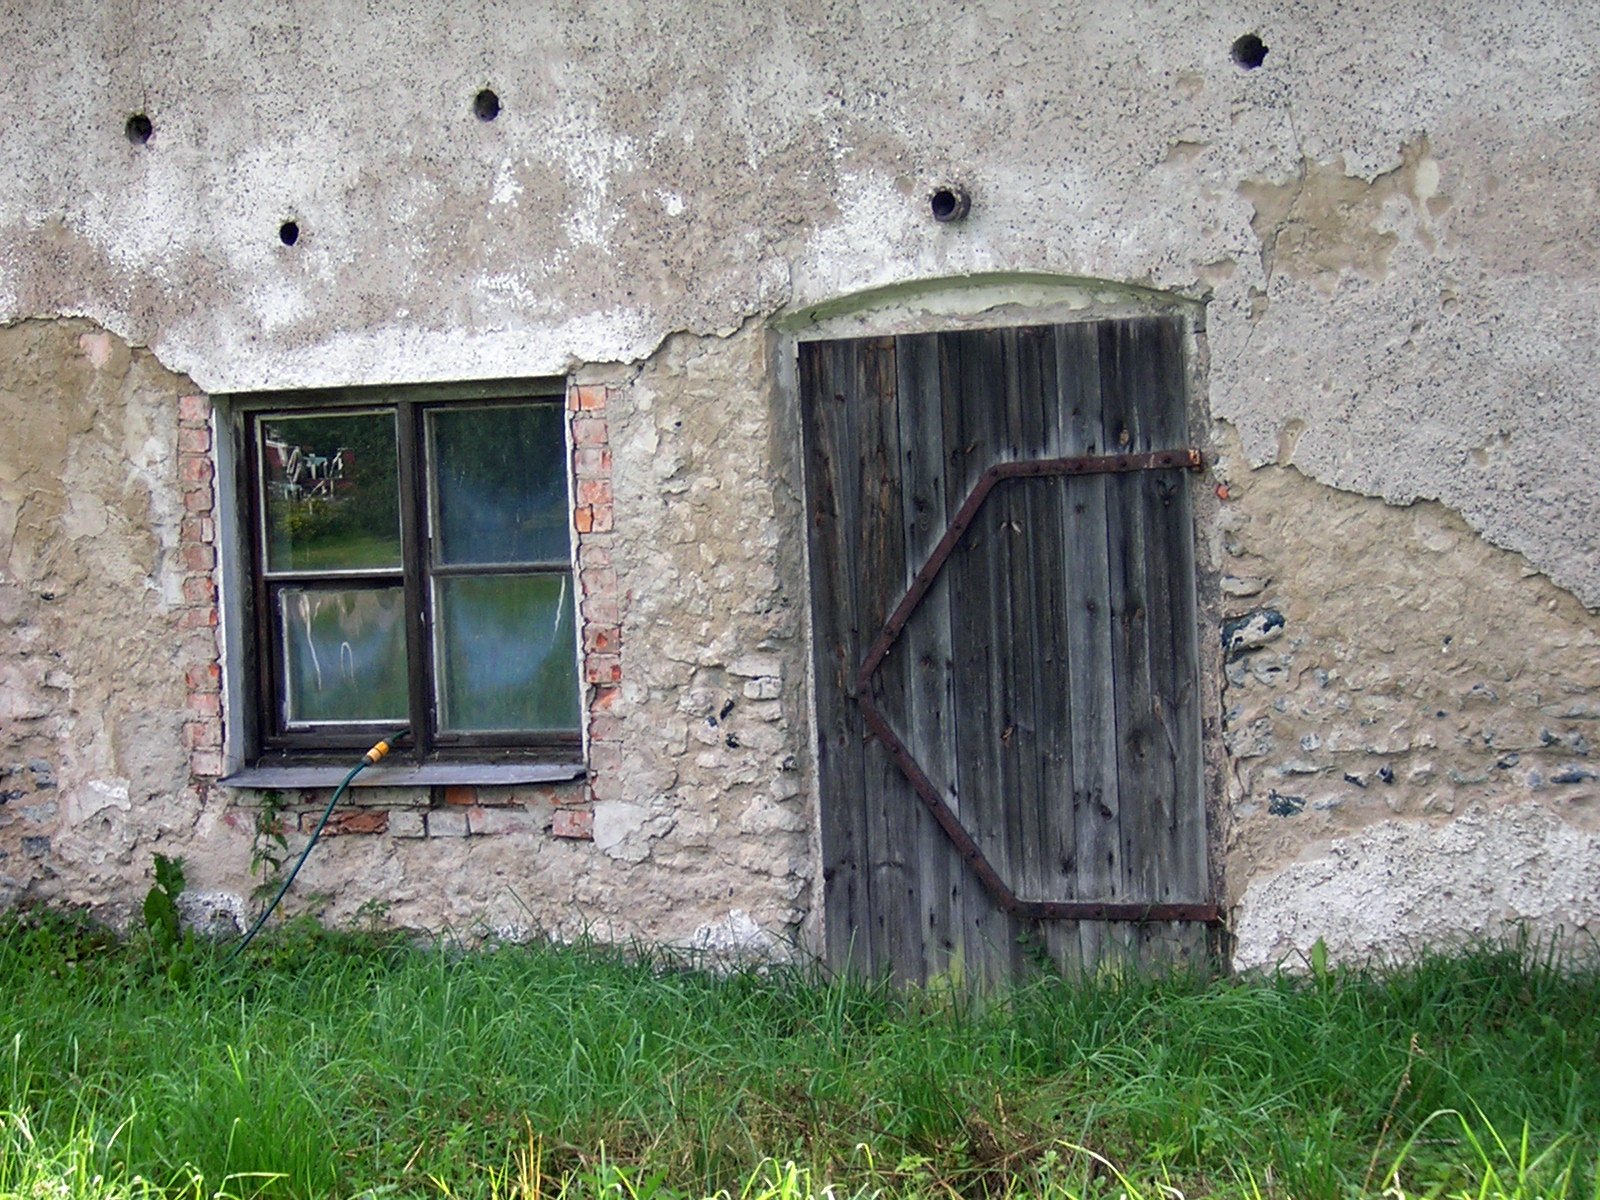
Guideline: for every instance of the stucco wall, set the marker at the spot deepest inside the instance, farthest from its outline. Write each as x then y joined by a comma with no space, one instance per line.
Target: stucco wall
1388,220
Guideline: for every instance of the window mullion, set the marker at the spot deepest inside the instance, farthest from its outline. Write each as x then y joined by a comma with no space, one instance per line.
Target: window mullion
413,539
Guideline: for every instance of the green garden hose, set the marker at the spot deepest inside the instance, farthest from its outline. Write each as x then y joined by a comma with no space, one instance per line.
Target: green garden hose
381,748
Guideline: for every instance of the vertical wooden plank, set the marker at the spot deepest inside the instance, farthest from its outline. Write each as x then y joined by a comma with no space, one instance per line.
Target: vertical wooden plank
1146,738
891,805
1141,413
1091,694
1029,565
1174,861
1143,772
972,380
1011,683
925,647
827,378
1173,865
1047,826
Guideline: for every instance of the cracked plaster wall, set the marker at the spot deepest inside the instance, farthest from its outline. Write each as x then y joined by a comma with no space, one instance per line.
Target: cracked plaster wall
1391,221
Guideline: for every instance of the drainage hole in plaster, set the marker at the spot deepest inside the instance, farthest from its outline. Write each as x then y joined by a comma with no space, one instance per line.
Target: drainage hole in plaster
1249,52
289,232
949,204
486,105
138,129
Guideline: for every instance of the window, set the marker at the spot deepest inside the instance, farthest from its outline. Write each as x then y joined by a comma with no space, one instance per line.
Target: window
410,564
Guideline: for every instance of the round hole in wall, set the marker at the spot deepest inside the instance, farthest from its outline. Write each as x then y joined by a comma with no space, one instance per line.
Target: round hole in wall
949,204
1249,51
138,129
486,105
289,232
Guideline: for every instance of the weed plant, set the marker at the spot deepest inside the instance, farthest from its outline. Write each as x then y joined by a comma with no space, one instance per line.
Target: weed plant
333,1065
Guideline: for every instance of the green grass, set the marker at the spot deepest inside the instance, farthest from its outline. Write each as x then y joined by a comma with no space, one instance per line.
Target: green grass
323,1065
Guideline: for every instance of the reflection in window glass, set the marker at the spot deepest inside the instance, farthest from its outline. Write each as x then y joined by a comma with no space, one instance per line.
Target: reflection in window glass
507,660
331,494
501,484
344,654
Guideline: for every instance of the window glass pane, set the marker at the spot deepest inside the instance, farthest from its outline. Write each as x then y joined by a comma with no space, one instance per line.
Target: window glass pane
500,484
344,654
331,492
507,659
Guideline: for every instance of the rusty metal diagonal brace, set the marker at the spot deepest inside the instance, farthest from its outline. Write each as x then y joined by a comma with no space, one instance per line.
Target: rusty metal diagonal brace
1000,891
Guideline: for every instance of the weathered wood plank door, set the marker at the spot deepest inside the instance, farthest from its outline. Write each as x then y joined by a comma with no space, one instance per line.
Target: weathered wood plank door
1002,574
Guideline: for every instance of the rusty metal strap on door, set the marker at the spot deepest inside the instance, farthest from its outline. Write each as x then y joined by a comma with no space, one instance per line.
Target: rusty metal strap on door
1188,459
1000,891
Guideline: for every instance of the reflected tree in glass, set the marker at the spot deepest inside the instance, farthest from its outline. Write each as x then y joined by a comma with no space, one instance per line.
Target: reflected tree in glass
500,484
331,492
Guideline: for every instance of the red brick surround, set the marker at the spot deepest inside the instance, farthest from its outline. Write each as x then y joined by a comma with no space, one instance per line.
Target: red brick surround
600,605
197,555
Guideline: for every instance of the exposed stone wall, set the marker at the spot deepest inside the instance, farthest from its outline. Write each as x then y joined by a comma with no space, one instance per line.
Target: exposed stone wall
691,827
712,780
1410,716
97,644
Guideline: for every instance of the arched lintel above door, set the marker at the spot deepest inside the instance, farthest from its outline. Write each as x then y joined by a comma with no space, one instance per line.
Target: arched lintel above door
995,298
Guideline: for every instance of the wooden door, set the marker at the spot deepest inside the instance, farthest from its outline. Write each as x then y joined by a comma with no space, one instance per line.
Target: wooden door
1002,576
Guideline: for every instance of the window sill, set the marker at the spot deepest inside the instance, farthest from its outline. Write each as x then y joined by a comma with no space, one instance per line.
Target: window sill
442,774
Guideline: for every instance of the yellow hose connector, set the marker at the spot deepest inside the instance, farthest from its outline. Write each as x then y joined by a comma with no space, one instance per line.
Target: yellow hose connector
377,752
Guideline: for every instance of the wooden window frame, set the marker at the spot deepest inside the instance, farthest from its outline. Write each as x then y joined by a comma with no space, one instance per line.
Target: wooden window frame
268,741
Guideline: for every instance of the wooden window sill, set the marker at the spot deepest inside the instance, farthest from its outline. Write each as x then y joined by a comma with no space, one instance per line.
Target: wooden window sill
440,774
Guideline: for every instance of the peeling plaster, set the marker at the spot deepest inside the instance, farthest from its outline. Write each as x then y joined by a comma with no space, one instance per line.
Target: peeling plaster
1379,220
1398,888
1323,223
